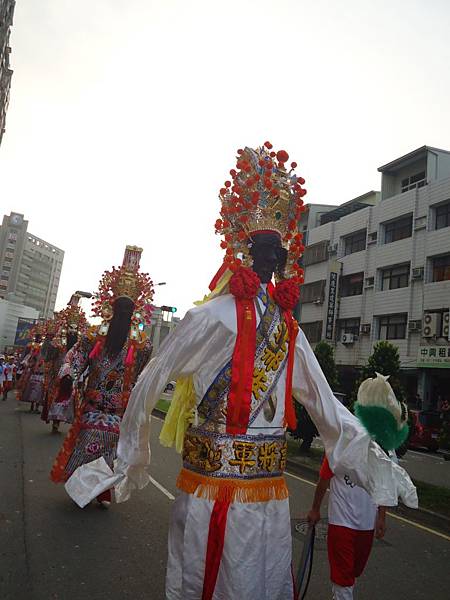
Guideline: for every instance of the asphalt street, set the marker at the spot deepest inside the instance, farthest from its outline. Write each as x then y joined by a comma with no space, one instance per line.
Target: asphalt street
52,550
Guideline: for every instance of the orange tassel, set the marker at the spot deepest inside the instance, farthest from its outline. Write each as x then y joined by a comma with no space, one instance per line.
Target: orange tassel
232,490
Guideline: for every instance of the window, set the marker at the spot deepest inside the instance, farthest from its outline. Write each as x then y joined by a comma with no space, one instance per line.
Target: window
313,292
355,242
351,285
414,181
313,331
393,327
442,216
398,230
395,277
315,253
441,268
348,326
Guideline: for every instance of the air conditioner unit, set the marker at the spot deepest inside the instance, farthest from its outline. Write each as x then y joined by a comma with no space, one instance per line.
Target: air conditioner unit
318,301
348,338
430,325
446,325
415,325
333,248
417,273
370,282
365,328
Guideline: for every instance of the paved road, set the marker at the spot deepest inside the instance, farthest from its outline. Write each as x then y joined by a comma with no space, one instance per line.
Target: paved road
52,550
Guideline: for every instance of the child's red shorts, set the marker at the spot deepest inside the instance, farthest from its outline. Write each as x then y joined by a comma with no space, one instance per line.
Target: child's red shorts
348,553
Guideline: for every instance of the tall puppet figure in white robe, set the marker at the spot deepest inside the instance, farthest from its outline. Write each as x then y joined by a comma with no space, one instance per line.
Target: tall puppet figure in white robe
239,359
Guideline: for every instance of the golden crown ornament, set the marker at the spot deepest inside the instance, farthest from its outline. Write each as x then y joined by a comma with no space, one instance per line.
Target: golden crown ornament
263,196
126,281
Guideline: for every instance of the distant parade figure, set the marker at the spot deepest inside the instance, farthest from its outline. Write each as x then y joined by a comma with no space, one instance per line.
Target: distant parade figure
353,517
7,373
113,353
2,374
30,387
61,334
237,359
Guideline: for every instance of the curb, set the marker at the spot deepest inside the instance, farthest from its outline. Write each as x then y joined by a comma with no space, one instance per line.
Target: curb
422,516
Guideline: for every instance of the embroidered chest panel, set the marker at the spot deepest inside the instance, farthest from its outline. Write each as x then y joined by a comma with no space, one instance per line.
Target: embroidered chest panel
270,360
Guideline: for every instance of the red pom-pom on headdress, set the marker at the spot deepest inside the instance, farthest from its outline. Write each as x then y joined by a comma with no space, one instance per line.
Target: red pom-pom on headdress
287,293
244,284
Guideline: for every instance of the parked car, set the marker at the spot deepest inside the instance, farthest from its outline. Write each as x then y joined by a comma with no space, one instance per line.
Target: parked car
425,427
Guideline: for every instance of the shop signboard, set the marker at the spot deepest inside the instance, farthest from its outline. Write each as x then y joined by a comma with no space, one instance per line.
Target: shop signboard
332,292
437,357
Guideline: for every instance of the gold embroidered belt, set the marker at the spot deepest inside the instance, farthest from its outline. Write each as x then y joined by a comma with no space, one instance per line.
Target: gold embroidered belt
243,468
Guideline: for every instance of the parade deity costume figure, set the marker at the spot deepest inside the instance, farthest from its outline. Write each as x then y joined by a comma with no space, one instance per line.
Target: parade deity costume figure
238,359
61,333
112,355
31,385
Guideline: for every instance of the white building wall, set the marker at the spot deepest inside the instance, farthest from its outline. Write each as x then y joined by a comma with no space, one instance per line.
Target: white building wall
420,295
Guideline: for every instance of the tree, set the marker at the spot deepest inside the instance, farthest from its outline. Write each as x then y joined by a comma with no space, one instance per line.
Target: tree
306,430
325,355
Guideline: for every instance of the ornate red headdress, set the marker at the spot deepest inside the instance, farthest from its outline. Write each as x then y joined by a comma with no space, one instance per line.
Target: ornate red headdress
72,318
263,196
126,281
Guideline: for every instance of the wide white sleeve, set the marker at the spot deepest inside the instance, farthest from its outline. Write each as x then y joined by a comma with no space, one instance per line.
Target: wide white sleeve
348,446
195,341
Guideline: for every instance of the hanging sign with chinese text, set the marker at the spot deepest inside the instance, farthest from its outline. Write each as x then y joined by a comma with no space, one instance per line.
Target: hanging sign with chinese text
434,356
332,291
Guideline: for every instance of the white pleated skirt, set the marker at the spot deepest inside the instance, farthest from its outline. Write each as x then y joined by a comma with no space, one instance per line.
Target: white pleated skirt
256,560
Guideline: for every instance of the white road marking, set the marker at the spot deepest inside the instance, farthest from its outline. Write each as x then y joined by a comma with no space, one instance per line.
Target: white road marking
412,523
438,457
162,489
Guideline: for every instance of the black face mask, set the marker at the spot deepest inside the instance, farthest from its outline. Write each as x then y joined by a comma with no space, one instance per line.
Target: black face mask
119,326
268,255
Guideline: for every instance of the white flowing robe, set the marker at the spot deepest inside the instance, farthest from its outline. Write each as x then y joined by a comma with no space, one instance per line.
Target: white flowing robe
257,549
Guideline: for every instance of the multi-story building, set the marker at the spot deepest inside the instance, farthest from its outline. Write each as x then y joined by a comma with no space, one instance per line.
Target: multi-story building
312,218
378,268
6,20
10,315
30,268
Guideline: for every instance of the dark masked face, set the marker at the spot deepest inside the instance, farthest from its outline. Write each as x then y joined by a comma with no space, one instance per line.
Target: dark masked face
119,325
268,255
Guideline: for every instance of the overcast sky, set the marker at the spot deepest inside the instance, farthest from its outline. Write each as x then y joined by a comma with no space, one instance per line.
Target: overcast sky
125,116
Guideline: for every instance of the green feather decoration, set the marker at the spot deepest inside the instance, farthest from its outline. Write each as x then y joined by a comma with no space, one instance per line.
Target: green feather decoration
382,426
